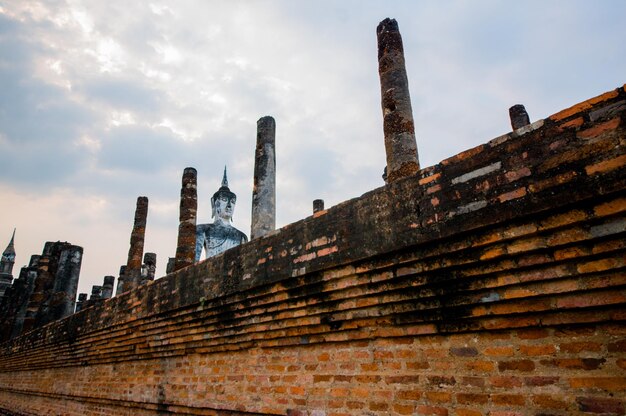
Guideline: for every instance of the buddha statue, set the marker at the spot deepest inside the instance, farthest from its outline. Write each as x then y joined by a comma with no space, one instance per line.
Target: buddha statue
220,235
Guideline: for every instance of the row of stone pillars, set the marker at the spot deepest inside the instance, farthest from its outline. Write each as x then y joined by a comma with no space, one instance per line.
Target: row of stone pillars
400,147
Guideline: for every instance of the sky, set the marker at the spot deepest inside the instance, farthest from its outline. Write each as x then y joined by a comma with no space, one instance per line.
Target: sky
102,102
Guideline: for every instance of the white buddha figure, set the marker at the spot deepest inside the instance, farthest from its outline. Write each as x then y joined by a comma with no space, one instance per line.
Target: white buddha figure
220,235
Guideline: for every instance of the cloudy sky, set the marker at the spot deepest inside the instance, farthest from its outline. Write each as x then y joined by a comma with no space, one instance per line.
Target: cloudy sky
104,101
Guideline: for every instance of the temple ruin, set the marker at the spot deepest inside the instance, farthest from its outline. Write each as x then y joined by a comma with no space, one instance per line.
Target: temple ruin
491,283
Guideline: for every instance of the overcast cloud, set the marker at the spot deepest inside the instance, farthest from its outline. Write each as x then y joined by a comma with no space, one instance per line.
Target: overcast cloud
101,102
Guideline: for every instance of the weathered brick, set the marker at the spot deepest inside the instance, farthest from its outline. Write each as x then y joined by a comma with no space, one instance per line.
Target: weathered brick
549,402
508,399
536,350
505,382
606,165
472,398
516,365
432,411
599,129
601,405
605,383
583,106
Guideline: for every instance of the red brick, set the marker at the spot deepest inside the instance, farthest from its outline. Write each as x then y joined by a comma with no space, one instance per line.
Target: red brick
402,379
606,165
537,350
601,405
463,351
572,124
549,402
432,411
438,396
404,409
467,412
599,128
619,346
505,382
508,399
583,106
517,193
441,380
378,406
605,383
611,207
499,351
516,365
533,333
472,398
408,395
473,381
541,381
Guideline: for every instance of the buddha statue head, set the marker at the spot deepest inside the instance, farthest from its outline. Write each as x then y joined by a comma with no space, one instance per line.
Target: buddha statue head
223,203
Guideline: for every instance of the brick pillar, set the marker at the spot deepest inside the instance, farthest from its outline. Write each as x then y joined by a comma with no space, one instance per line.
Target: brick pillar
186,248
107,287
398,125
135,253
519,116
264,190
318,205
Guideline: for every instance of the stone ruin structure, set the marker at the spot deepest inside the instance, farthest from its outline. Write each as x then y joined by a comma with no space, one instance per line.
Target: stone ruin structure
491,283
6,266
45,290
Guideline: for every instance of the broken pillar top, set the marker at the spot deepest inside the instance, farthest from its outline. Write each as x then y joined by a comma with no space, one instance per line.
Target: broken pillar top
519,116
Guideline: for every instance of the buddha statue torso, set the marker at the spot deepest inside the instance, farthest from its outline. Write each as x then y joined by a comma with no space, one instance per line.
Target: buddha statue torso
220,235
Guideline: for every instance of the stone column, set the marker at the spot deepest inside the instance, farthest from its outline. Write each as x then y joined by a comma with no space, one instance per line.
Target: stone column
519,116
171,262
96,292
135,253
149,268
186,248
120,280
82,298
318,205
398,125
107,287
264,190
66,278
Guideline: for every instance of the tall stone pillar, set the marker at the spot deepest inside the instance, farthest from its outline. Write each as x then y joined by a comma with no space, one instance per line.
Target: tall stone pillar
264,190
186,247
398,125
63,301
519,116
135,253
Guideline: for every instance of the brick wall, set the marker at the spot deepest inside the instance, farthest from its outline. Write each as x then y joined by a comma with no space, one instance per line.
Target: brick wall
490,284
